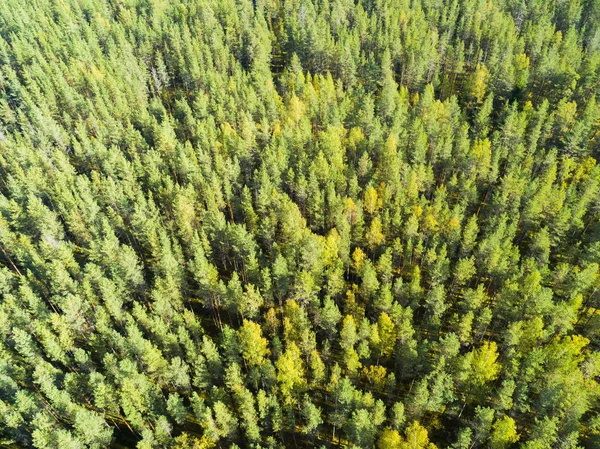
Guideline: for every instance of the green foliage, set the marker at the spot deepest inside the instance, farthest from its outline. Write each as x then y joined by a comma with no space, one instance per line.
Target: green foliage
234,223
254,347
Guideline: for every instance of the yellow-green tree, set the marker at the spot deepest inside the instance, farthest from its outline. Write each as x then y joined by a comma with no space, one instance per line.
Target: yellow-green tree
254,347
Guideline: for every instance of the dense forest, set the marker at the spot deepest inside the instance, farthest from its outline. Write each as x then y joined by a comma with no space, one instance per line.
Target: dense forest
300,223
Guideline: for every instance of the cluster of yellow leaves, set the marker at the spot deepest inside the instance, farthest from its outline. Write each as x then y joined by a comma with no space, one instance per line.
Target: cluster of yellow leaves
415,437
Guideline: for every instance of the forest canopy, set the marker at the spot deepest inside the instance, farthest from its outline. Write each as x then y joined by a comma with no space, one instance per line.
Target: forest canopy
300,223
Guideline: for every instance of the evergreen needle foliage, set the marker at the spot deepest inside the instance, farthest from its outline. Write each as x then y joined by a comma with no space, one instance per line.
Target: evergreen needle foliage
300,223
